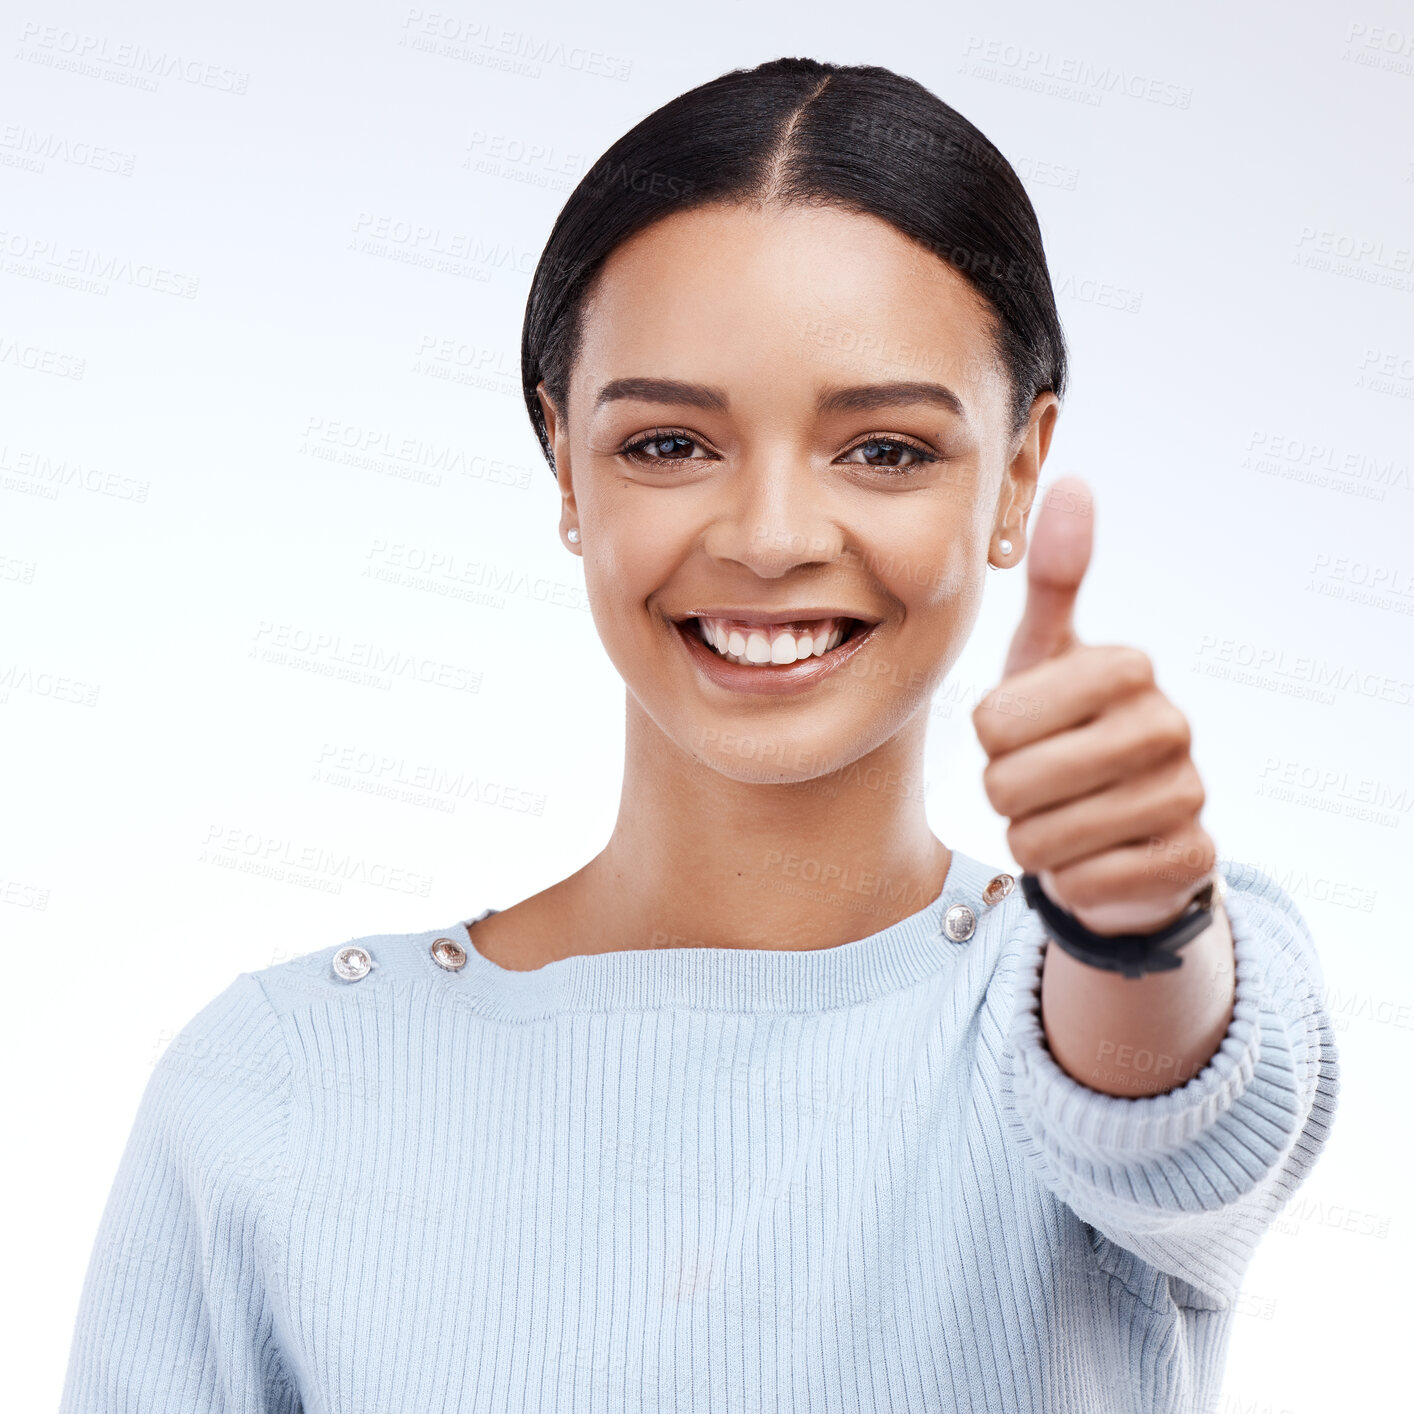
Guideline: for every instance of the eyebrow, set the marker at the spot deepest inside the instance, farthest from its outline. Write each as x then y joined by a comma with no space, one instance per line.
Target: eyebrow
862,397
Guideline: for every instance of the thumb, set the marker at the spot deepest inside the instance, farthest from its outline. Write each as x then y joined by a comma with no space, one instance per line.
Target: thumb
1055,564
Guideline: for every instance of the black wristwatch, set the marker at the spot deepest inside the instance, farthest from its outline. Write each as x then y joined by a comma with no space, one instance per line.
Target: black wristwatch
1133,954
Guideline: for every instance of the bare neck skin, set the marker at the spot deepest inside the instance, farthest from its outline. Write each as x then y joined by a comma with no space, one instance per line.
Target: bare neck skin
697,859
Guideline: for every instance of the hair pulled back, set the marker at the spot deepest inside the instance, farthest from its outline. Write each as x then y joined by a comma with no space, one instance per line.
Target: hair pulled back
859,137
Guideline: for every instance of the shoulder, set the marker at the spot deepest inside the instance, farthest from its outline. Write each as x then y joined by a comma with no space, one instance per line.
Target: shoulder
246,1015
242,1042
1004,919
367,968
220,1089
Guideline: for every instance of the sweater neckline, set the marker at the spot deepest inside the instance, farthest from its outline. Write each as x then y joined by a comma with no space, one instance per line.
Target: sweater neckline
730,979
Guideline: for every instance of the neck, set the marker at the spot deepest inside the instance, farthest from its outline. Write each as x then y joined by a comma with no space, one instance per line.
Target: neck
699,859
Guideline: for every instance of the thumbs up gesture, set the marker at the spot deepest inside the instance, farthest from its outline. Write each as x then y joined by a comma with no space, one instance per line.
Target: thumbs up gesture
1087,757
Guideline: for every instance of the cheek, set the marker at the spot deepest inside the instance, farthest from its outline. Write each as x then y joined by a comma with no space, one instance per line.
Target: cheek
623,566
928,563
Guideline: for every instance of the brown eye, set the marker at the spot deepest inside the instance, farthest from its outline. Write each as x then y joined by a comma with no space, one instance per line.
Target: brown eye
661,447
889,452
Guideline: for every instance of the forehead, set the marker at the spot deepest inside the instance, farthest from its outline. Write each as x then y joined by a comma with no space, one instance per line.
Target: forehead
740,294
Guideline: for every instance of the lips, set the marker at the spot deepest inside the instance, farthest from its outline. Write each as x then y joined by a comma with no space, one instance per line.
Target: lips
776,654
777,643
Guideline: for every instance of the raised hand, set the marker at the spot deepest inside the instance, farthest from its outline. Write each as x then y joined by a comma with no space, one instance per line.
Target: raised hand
1095,774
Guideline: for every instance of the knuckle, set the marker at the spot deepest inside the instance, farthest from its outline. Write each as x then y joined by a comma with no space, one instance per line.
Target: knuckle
1020,839
1131,666
982,725
1191,790
984,721
1173,725
1205,853
1081,892
1001,789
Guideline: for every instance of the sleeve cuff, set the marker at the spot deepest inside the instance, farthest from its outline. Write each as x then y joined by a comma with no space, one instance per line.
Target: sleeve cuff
1090,1121
1203,1167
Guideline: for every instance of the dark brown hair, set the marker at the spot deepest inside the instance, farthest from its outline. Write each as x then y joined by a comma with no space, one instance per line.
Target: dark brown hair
801,130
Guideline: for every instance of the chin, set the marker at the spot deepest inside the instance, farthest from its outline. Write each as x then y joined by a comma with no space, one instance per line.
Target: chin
756,754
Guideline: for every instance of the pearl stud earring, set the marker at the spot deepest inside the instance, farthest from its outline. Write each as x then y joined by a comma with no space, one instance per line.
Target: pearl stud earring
1004,546
572,535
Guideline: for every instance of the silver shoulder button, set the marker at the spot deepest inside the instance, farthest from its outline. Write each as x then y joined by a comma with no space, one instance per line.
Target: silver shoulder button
959,922
352,962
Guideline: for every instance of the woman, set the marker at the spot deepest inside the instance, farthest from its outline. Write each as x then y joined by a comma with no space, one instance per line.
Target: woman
779,1102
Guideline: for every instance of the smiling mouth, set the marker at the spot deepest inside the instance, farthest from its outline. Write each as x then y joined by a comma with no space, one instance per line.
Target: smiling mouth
772,645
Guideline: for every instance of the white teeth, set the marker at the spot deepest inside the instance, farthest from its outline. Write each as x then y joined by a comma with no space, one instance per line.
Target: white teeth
764,645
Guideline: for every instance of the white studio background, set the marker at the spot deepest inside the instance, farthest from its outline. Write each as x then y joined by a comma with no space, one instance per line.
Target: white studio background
292,653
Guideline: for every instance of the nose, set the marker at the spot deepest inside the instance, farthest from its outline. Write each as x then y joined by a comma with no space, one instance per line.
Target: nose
774,517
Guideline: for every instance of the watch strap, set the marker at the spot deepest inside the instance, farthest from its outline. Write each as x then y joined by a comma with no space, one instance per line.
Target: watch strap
1133,954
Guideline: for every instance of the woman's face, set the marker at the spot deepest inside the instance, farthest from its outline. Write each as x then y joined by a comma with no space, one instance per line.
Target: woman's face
737,459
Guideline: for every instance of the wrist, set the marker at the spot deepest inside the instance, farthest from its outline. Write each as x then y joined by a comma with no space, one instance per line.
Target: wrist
1132,955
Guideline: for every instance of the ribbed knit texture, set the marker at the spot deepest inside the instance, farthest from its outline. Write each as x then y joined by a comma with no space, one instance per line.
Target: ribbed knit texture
695,1179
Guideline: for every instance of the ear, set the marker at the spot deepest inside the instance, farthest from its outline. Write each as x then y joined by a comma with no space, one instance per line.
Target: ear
557,430
1023,472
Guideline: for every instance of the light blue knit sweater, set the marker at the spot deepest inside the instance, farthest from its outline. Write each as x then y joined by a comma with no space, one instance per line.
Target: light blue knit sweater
695,1179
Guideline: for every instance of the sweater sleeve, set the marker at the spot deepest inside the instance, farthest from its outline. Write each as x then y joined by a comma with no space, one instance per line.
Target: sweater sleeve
174,1313
1189,1180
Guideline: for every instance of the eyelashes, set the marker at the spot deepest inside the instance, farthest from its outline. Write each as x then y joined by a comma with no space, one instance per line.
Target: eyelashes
636,450
922,454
